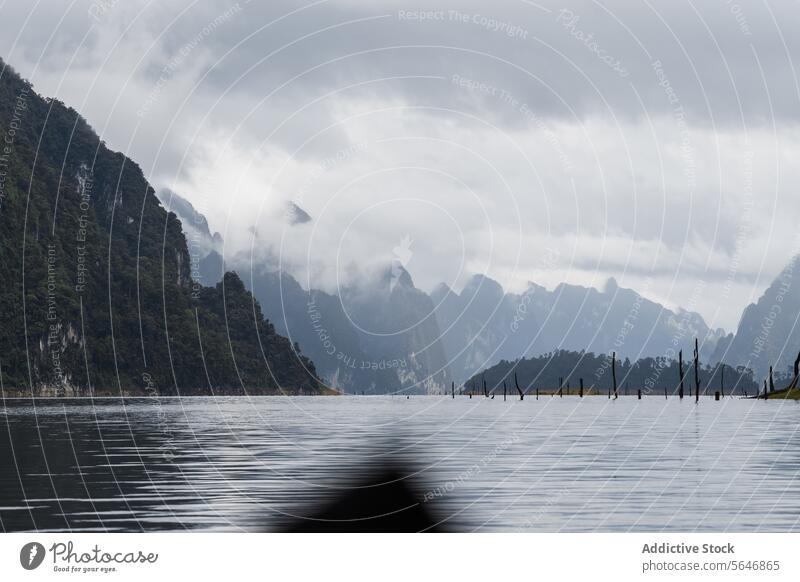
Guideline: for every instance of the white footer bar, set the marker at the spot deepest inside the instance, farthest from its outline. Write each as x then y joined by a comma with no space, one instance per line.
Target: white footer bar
228,557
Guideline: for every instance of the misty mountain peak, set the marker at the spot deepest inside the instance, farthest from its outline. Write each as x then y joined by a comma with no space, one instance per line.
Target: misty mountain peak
397,276
534,287
483,286
296,215
183,209
440,292
611,286
195,225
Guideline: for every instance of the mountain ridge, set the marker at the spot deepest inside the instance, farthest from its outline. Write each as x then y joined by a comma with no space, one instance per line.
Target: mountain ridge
477,327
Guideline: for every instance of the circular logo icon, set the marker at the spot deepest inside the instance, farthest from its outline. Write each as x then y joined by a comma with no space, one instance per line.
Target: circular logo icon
31,555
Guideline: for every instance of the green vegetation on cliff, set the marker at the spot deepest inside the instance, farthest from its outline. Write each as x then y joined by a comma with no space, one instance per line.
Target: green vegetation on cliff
96,293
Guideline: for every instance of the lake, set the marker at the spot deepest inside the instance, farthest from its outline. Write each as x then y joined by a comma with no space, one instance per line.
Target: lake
258,464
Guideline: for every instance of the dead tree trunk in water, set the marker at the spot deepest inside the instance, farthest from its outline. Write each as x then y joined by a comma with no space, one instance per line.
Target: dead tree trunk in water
485,392
453,389
793,385
680,371
516,383
581,392
771,381
614,372
796,372
796,377
696,370
766,394
561,387
504,390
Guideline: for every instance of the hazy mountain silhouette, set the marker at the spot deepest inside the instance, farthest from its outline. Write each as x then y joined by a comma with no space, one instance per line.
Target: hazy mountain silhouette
346,358
399,329
769,330
317,321
385,334
296,215
482,325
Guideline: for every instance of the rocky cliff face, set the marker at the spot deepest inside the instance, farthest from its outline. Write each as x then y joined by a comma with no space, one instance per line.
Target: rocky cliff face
399,330
317,322
205,248
769,331
97,294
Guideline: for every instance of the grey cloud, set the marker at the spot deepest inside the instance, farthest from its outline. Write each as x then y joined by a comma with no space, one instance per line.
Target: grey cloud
712,58
546,96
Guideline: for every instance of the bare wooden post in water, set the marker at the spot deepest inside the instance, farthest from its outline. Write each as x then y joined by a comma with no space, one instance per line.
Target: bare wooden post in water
680,371
561,387
614,372
453,389
516,383
581,392
793,385
485,392
639,393
504,390
771,381
696,371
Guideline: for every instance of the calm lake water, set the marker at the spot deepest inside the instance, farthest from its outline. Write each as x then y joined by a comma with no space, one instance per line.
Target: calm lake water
259,463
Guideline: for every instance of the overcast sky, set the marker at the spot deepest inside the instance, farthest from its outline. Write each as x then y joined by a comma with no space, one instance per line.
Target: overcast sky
653,141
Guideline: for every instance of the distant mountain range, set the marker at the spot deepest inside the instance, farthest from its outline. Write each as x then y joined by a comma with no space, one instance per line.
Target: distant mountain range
482,325
386,335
